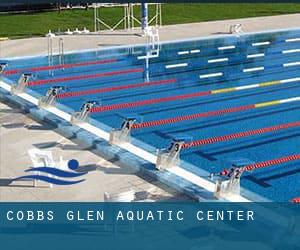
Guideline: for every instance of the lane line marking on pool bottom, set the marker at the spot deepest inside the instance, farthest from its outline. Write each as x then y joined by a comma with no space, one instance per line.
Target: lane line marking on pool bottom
211,75
291,64
147,56
261,43
188,176
194,51
178,65
176,119
186,52
292,40
54,67
183,52
81,77
226,47
253,69
290,51
256,55
187,96
225,59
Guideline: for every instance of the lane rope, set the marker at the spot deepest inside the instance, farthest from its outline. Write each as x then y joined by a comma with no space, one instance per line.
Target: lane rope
296,200
160,122
240,135
65,66
269,163
111,89
80,77
188,96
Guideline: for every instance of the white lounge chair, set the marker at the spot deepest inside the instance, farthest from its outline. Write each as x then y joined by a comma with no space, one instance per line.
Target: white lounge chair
43,158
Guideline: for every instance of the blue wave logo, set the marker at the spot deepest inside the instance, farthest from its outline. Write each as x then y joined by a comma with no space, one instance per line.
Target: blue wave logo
62,174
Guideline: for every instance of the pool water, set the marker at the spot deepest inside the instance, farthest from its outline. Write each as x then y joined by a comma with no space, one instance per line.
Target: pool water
193,77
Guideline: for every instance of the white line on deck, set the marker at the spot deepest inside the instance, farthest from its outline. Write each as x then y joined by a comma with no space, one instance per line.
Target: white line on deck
261,43
291,64
256,55
218,60
211,75
292,40
226,47
253,69
290,51
170,66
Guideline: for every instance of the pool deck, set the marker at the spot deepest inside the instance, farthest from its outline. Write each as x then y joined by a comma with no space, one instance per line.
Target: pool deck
107,176
18,133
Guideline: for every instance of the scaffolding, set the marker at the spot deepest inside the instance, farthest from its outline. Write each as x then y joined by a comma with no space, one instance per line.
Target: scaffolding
129,20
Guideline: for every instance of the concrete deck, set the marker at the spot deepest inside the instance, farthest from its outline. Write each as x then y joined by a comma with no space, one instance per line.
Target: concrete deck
18,132
36,46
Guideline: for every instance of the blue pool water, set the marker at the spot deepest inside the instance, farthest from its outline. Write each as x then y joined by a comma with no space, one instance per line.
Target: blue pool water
237,61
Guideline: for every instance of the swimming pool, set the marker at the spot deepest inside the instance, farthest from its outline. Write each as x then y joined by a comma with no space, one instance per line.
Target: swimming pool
232,98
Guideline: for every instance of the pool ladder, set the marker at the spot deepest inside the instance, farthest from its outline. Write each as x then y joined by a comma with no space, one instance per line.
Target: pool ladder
61,53
50,53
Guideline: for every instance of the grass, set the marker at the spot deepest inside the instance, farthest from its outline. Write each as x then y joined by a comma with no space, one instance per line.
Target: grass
38,24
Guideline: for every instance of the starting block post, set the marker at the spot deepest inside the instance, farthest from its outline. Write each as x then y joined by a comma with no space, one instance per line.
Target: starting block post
84,113
122,135
22,84
50,97
170,157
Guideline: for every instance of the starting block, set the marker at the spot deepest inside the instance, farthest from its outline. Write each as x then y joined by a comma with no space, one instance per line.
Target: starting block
3,65
22,84
170,157
84,113
50,97
231,185
122,135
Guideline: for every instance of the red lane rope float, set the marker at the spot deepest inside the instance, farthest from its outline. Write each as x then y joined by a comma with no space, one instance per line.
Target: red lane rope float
110,89
265,164
65,66
191,117
240,134
296,200
71,78
148,102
